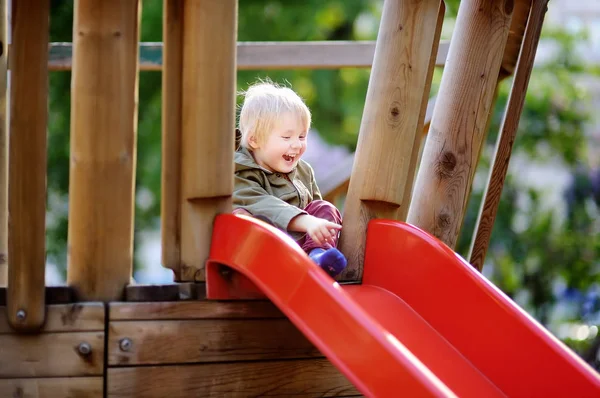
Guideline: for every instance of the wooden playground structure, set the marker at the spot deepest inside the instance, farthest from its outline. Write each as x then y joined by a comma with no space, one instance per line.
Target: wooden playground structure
102,336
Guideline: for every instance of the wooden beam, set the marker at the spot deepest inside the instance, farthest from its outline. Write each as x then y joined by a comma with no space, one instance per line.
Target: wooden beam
52,354
459,120
62,318
3,143
261,55
207,340
392,122
506,138
80,387
103,147
208,117
171,133
300,378
27,164
189,310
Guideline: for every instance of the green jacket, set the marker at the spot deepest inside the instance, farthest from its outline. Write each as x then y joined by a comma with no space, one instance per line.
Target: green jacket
276,196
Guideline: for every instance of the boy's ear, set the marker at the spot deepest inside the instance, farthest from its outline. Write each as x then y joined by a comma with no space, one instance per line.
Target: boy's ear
253,142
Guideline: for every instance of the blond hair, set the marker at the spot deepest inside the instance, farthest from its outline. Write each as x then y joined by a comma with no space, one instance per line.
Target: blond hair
264,103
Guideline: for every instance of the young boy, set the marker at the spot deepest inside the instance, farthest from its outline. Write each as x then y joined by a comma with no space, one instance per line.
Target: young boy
274,184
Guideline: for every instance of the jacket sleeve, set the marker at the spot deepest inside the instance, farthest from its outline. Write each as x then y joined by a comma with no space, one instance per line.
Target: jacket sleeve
250,195
314,187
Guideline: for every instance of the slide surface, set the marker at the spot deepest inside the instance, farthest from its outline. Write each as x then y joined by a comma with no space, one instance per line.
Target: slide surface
422,323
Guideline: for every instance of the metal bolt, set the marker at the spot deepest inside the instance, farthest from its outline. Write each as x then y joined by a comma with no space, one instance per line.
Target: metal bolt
125,344
21,315
84,348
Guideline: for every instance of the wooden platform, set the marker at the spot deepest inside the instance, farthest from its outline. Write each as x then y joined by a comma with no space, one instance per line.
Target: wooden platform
180,347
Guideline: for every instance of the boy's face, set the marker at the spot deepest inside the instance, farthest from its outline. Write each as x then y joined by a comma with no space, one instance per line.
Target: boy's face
283,147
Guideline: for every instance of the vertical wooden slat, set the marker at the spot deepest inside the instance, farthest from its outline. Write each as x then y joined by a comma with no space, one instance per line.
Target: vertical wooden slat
27,164
3,144
392,122
104,94
506,138
208,116
460,116
171,132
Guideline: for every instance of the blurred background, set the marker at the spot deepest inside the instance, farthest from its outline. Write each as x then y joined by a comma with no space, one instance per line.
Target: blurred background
545,247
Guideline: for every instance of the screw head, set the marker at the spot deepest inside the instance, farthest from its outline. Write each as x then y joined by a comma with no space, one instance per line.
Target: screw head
21,315
84,348
125,344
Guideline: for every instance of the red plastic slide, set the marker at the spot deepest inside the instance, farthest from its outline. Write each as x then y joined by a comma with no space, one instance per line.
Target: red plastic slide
422,323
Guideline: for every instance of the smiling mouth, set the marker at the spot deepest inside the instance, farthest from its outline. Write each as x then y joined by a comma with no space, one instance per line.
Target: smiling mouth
289,158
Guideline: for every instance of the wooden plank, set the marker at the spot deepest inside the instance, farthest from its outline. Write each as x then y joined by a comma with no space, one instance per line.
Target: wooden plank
506,138
297,378
103,148
392,123
263,55
193,341
208,120
3,144
458,126
83,317
193,310
27,163
172,81
51,355
64,387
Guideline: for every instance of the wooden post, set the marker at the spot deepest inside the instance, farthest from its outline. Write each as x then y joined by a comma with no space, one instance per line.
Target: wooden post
27,164
208,120
392,123
506,138
3,144
459,120
103,147
171,133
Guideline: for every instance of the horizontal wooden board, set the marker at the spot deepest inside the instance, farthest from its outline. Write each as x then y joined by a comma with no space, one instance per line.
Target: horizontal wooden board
204,309
51,355
78,317
177,342
263,55
297,378
63,387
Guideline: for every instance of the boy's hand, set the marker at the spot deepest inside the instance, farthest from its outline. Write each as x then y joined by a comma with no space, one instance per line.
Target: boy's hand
320,230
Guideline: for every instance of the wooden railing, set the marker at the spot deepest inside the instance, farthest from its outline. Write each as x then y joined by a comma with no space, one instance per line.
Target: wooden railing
262,55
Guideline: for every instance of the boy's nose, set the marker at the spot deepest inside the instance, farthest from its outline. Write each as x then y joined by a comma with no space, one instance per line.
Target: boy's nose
296,144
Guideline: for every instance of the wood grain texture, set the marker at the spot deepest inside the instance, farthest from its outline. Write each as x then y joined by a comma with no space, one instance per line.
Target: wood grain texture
27,169
55,387
392,123
294,378
193,310
81,317
506,138
103,147
3,143
171,133
460,116
208,119
51,355
215,340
